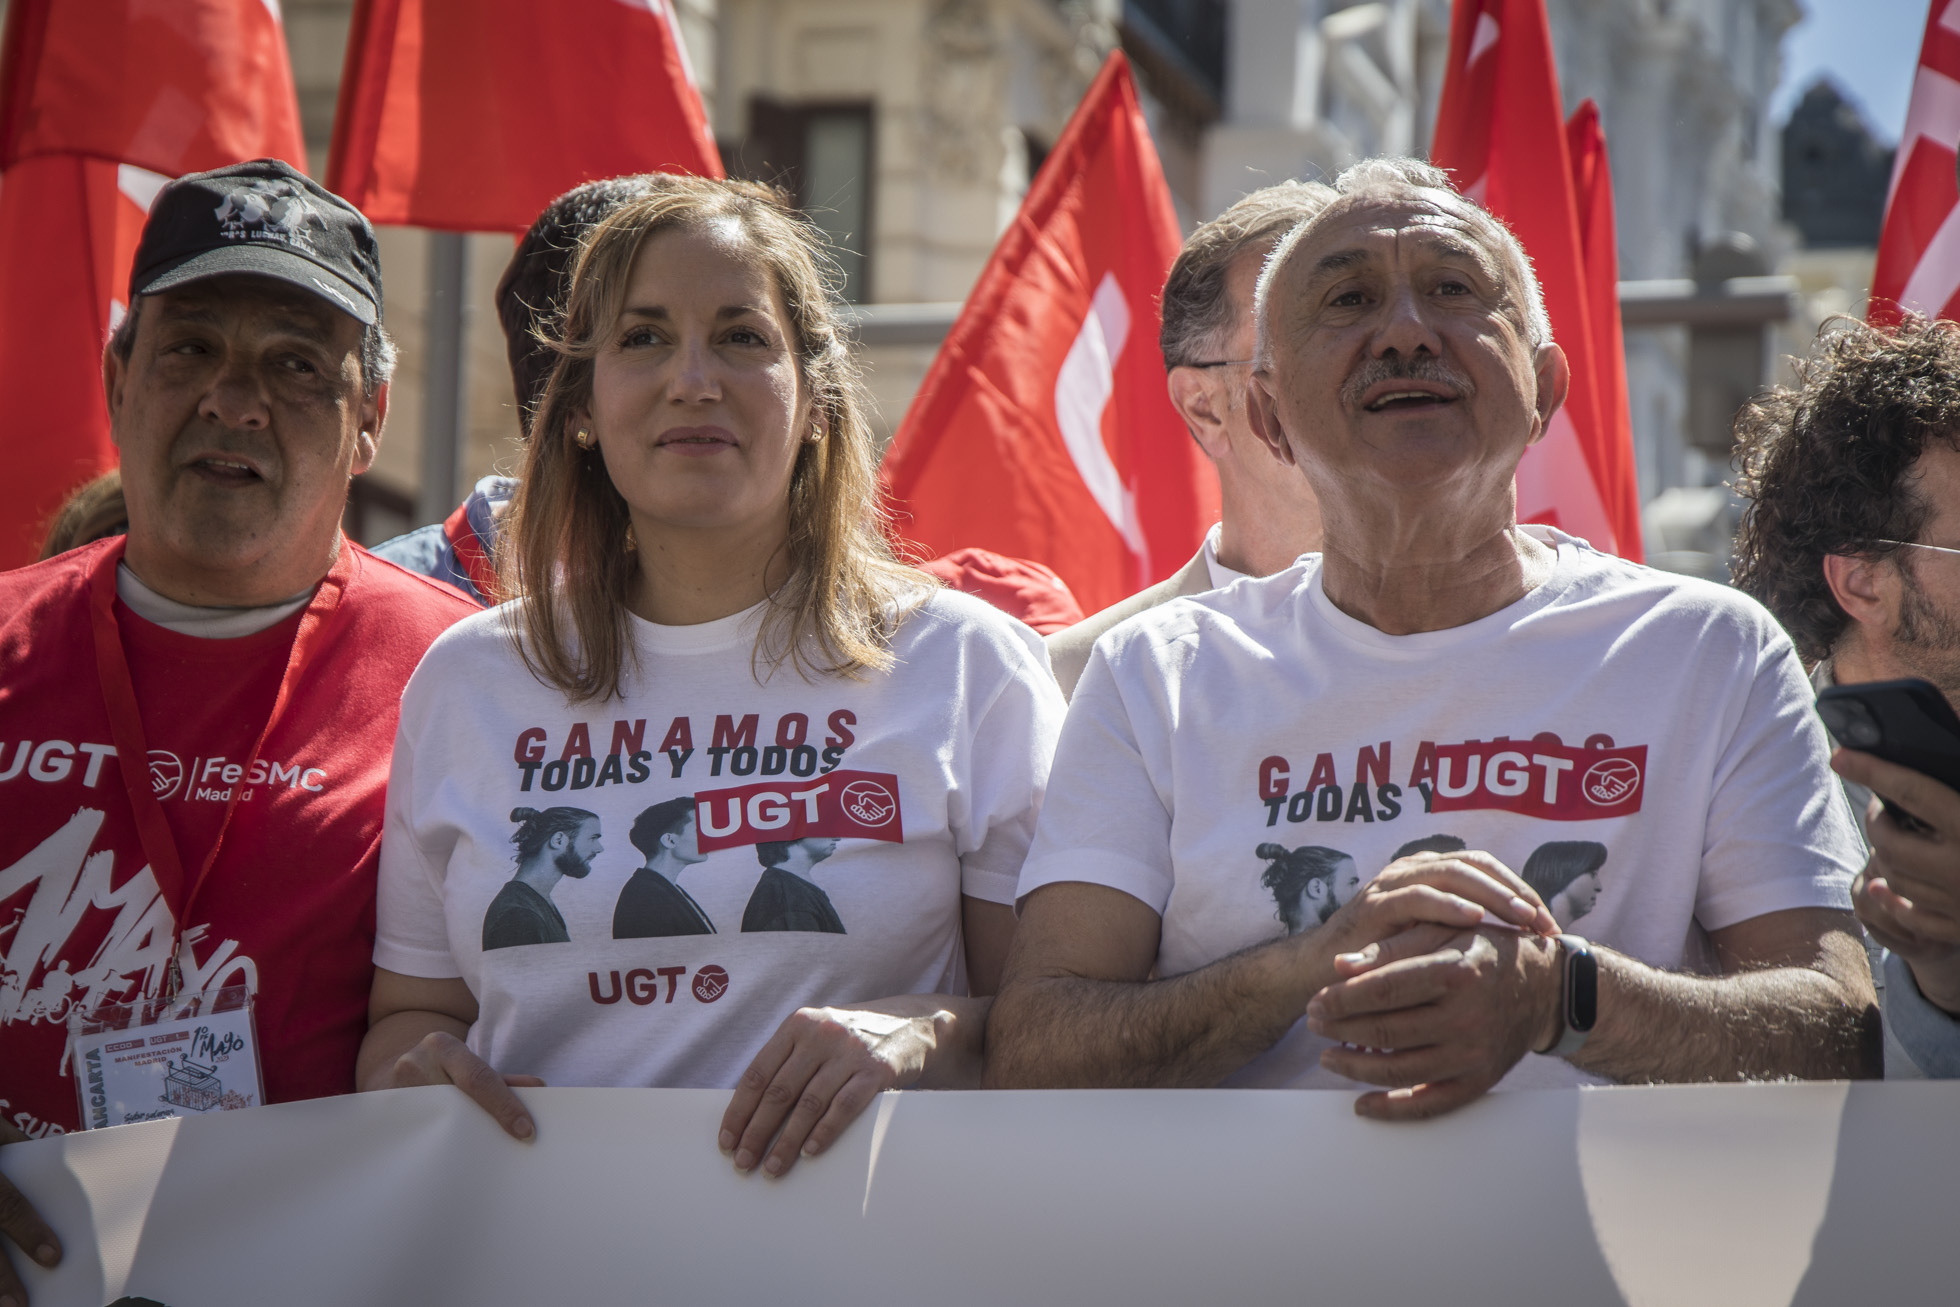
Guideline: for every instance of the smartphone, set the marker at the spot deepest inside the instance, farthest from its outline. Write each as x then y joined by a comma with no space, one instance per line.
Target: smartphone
1907,722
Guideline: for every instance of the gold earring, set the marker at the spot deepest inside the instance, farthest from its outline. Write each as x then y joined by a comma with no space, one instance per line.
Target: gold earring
583,439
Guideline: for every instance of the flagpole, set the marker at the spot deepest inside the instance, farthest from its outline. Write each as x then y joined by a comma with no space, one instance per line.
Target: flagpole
442,425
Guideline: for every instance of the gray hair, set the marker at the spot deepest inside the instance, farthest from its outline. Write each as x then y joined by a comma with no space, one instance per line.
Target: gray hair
1390,178
377,348
1198,313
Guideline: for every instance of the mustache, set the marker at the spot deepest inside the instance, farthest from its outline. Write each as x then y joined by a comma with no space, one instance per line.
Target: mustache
1422,367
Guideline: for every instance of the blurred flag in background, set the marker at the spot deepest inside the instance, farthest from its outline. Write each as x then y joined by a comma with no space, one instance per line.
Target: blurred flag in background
1919,244
1043,429
472,115
1501,133
1599,250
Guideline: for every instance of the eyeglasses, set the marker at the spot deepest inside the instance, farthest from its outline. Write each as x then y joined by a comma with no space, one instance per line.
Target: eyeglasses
1219,363
1913,544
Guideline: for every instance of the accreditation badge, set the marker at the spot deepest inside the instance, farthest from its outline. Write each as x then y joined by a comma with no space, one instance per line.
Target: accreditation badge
166,1057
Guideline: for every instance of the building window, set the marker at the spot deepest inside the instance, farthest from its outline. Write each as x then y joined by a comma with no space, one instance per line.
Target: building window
821,154
1038,147
1186,36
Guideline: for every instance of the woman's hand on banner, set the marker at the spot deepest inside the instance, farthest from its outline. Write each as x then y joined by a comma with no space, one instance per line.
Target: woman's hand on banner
417,1028
816,1075
439,1058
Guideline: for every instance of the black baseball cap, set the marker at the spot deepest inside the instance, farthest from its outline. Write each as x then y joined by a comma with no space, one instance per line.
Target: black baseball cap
264,217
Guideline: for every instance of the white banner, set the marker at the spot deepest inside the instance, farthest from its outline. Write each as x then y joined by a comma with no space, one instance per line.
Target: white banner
1737,1196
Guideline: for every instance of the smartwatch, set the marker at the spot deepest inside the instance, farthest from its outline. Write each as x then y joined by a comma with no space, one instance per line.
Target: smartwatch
1579,997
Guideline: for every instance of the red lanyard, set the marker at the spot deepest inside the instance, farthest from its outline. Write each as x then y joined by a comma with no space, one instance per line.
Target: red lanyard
132,750
470,553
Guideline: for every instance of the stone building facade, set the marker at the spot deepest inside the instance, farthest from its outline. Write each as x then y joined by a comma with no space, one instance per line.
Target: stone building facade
910,129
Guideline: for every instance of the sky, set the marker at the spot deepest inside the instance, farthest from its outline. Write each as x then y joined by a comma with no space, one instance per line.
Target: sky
1868,47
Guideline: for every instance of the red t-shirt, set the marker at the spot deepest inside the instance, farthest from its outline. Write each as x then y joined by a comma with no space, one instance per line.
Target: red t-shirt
288,905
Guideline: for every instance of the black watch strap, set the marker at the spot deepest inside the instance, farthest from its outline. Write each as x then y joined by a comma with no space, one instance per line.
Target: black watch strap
1579,996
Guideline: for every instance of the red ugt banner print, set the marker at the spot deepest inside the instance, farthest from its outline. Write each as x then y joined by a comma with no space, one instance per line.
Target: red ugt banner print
1541,778
1044,429
472,115
860,805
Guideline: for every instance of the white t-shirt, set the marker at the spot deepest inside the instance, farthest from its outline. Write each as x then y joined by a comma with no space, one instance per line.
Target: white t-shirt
1221,575
890,796
204,623
1244,757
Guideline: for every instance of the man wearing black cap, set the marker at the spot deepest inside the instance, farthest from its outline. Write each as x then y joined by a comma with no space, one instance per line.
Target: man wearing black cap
202,712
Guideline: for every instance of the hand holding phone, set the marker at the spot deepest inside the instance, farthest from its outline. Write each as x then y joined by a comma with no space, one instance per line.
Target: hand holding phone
1901,738
1907,722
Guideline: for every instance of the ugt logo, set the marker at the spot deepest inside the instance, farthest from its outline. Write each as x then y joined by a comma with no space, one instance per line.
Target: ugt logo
710,983
868,802
1611,781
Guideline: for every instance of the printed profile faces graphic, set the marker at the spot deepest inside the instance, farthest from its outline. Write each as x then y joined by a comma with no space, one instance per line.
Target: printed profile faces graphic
840,804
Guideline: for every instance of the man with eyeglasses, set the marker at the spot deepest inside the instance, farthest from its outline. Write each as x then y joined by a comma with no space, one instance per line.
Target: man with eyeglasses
1852,538
1268,516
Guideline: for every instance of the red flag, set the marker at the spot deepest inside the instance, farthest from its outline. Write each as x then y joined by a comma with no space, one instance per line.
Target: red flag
1043,429
68,230
1592,184
1500,131
1919,245
99,103
472,115
174,87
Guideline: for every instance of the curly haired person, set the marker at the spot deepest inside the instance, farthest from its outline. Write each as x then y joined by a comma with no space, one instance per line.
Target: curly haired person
1852,538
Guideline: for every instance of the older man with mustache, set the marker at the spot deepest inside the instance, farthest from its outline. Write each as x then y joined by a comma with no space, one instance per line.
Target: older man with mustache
1438,669
202,712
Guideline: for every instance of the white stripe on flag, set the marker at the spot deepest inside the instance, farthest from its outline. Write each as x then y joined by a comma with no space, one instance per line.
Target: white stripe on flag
1936,276
664,11
139,185
1934,113
1082,391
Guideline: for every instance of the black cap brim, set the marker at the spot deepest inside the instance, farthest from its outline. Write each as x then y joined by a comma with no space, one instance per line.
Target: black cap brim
268,261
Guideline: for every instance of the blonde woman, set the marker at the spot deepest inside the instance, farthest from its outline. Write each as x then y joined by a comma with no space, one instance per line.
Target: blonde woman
724,796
